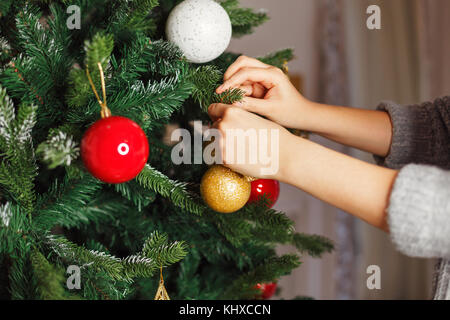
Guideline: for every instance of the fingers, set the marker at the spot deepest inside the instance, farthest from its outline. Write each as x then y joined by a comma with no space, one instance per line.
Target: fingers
266,77
259,106
217,111
242,62
259,91
254,90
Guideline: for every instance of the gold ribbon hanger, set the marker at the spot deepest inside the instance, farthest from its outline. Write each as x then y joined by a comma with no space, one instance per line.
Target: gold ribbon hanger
105,112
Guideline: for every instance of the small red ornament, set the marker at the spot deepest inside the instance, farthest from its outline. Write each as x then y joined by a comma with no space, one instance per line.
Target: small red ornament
261,187
267,289
114,149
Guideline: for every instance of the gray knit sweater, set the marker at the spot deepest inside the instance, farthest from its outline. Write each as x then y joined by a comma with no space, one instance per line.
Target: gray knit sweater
419,209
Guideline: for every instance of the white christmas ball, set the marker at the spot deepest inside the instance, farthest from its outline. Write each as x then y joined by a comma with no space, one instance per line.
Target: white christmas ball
201,28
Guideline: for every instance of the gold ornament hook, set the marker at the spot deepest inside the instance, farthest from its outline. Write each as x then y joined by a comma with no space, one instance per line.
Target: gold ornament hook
161,293
105,112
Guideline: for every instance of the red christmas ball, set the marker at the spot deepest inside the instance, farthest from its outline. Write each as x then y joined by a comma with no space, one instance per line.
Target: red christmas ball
114,149
267,289
270,188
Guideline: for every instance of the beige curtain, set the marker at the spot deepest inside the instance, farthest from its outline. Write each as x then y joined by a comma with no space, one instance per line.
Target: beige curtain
434,47
394,64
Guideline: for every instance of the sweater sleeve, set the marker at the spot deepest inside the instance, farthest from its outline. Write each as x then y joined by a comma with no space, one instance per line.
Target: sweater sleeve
419,212
421,134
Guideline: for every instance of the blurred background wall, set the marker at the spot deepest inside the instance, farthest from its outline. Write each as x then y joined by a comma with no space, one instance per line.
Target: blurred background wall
342,62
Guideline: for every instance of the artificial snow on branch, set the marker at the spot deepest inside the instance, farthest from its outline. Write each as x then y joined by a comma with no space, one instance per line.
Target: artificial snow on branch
59,150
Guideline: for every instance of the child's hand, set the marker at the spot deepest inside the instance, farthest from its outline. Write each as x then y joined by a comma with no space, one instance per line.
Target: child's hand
268,92
234,123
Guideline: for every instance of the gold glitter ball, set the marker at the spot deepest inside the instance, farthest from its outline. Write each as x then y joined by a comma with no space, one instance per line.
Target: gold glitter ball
224,190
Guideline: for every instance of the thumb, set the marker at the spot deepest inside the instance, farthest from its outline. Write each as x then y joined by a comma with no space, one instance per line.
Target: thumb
259,106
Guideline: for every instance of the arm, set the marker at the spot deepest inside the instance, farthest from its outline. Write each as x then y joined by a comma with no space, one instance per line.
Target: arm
414,200
412,204
402,134
357,187
354,186
367,130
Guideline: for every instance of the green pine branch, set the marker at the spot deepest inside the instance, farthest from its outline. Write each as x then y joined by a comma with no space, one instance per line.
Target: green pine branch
314,245
188,279
133,192
243,20
175,191
268,271
258,223
157,248
98,50
45,50
17,168
206,79
5,50
5,6
22,283
132,16
70,204
70,252
50,280
131,64
59,150
156,253
164,58
153,103
148,104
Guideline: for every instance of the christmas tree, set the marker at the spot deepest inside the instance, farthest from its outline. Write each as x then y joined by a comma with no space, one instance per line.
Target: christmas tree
55,214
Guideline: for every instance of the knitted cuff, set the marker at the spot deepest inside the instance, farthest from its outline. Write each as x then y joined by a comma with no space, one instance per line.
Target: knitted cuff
412,135
419,212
